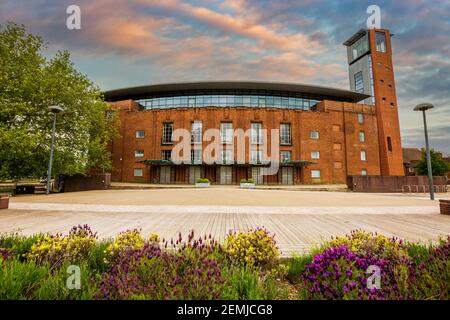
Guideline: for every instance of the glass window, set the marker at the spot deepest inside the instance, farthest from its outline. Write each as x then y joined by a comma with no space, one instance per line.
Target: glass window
314,135
246,100
363,155
167,133
285,133
226,132
166,154
360,118
222,101
256,133
315,174
140,134
364,172
138,153
207,101
138,172
196,156
196,132
227,156
315,154
362,136
285,156
359,82
256,156
381,41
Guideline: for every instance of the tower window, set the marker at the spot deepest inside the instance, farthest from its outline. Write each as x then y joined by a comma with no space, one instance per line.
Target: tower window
359,82
362,136
314,135
381,41
360,118
389,143
363,155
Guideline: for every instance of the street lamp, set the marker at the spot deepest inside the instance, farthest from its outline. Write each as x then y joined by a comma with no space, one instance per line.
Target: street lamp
424,107
55,110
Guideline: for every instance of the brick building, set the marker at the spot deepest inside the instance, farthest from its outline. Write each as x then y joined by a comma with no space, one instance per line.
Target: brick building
325,134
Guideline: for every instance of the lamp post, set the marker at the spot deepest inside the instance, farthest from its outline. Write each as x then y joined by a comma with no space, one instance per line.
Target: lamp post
55,110
424,107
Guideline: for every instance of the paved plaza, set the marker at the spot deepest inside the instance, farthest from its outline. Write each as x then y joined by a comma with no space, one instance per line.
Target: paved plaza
306,218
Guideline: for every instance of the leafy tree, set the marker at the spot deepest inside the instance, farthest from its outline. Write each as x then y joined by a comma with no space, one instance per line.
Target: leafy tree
29,84
439,166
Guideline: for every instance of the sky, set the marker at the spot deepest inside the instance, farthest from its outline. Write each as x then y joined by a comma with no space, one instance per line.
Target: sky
138,42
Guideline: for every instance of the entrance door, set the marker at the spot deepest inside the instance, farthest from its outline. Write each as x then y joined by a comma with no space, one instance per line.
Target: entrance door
164,175
225,175
194,174
287,176
256,175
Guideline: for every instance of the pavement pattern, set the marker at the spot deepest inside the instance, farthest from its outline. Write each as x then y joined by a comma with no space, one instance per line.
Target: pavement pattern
299,219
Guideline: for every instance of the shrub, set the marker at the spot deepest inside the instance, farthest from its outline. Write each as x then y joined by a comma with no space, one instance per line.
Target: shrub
372,244
202,180
18,280
430,279
19,245
244,180
338,273
186,270
253,248
56,249
130,239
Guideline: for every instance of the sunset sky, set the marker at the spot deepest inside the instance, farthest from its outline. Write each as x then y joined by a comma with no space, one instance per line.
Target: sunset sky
137,42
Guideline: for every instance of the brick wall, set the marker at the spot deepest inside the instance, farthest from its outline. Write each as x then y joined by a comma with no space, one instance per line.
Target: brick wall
89,182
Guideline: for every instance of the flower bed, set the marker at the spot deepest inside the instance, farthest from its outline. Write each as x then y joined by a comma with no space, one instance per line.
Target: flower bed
245,266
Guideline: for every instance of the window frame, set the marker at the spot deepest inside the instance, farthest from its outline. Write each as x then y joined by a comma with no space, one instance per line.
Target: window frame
164,133
283,136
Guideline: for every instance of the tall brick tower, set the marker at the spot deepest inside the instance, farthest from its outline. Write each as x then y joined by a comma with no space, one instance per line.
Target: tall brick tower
371,72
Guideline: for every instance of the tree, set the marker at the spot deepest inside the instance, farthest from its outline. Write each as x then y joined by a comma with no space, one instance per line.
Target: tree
29,84
439,166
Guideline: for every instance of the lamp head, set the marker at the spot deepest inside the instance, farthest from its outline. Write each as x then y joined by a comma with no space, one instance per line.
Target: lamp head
423,107
56,109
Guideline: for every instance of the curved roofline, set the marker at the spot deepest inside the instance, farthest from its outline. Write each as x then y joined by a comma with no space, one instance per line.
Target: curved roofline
318,92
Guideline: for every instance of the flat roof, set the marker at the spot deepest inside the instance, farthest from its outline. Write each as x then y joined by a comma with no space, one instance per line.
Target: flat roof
312,91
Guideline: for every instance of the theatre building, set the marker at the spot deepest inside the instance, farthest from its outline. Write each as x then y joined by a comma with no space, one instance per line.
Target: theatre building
325,134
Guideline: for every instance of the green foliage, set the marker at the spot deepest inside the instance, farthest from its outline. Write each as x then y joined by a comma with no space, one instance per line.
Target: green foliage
439,166
29,84
243,284
253,248
18,280
20,245
250,180
202,180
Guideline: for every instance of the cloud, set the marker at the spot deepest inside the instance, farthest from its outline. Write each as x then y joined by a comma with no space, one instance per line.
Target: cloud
133,42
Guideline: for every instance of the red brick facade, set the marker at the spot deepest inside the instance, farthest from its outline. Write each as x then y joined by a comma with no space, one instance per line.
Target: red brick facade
337,123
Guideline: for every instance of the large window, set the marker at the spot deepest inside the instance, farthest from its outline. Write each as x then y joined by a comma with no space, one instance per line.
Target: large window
196,132
285,156
256,156
285,133
167,133
166,155
381,41
226,133
227,156
232,100
196,156
256,133
359,82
